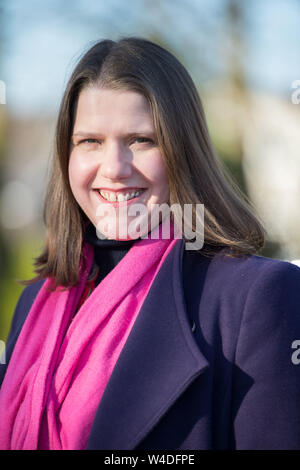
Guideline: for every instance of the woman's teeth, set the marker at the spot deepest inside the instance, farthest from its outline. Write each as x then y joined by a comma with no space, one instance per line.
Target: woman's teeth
110,196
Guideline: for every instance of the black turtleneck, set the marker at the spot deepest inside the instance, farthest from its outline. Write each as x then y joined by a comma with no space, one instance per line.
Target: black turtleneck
108,253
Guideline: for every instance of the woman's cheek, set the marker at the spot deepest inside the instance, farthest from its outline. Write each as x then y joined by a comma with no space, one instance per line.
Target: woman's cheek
79,171
154,169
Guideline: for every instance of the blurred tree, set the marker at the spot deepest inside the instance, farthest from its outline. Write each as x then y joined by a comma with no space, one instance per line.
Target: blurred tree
236,51
4,249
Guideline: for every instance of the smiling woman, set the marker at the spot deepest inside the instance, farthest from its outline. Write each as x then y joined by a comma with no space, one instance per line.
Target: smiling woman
137,341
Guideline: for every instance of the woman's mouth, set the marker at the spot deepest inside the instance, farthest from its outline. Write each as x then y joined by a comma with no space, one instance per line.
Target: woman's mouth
118,199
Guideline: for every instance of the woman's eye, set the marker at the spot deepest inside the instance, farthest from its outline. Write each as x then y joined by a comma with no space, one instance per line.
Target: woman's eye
139,140
143,139
89,141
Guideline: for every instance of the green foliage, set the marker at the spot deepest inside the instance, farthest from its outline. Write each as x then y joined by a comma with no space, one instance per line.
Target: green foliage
20,268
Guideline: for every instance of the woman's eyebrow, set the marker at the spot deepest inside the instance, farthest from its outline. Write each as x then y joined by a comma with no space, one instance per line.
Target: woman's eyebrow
130,134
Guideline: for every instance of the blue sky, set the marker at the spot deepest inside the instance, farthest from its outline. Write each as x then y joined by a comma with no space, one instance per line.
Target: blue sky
275,44
43,39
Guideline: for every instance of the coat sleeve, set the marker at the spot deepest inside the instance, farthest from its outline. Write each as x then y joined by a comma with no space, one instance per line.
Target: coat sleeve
266,380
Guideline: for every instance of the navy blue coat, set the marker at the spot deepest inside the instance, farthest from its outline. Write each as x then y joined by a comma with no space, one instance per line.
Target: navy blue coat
208,363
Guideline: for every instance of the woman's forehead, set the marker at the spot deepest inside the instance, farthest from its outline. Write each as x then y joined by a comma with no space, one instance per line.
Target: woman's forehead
105,99
109,109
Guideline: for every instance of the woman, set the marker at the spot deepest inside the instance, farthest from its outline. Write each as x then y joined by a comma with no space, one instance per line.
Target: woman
175,348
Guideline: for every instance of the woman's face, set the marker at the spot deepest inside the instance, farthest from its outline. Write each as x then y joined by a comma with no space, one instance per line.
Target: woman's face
114,151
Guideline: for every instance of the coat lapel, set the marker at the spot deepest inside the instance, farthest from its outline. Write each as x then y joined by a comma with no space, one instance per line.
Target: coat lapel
159,361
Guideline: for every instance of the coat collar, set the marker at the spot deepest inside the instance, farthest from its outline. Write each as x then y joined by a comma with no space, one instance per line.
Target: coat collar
159,361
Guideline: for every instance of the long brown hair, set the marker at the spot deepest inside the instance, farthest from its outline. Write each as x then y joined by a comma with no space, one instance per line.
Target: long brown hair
195,173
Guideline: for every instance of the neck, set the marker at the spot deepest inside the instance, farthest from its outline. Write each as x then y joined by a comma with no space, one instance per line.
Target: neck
91,237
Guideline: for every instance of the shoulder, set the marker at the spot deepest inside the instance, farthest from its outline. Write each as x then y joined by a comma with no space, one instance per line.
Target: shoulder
24,304
22,309
241,274
258,276
229,291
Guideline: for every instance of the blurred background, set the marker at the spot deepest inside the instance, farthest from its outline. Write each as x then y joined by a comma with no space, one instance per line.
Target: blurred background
244,58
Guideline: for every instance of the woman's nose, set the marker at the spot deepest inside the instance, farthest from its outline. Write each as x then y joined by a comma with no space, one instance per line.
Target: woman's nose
116,162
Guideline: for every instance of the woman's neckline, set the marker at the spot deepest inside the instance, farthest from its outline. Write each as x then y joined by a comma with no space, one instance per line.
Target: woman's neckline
91,237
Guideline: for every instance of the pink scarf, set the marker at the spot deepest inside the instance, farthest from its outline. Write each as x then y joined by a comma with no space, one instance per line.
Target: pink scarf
60,367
